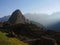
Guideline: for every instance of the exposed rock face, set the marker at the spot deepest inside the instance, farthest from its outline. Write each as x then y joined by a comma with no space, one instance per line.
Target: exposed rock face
16,17
1,24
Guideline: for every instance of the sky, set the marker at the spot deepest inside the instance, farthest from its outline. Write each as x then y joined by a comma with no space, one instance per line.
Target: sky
29,6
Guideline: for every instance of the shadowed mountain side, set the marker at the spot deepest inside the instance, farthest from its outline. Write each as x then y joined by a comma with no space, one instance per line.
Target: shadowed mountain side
27,32
55,27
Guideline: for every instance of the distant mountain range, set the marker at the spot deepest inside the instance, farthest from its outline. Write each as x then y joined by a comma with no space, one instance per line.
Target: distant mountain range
5,18
49,21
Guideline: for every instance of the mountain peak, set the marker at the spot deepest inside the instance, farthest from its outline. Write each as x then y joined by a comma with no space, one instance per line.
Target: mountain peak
17,11
16,17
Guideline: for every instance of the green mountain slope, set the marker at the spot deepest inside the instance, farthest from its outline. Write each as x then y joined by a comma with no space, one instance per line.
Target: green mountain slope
4,40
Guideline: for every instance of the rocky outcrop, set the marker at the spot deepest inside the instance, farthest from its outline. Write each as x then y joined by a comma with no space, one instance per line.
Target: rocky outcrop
16,17
43,40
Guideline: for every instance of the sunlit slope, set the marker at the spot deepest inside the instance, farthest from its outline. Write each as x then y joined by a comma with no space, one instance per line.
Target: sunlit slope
4,40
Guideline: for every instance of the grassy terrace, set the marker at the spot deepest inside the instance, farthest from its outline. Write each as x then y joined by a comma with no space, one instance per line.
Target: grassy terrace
4,40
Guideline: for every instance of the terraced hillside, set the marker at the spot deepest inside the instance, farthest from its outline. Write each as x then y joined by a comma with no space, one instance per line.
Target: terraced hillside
4,40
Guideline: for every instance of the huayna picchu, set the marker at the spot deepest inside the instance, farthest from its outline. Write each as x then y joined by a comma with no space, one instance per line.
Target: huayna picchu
18,27
16,17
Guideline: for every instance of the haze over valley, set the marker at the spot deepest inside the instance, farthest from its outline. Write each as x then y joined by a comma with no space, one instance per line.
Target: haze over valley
49,21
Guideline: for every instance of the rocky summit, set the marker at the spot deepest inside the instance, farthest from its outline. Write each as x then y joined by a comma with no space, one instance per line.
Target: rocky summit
17,17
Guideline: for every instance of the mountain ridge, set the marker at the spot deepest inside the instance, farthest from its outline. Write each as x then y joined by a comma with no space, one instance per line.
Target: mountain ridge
30,32
46,21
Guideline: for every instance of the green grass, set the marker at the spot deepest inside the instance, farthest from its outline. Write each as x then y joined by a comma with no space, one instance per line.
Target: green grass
4,40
